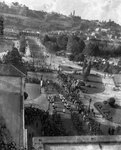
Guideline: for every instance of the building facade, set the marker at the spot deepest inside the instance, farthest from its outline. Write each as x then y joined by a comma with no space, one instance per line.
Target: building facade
12,102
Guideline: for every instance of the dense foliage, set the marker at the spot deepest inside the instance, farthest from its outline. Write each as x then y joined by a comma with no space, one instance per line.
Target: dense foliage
103,49
13,57
62,41
51,125
55,43
75,46
86,70
72,44
22,44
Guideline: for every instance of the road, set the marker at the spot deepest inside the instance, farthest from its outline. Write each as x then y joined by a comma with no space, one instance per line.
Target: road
65,115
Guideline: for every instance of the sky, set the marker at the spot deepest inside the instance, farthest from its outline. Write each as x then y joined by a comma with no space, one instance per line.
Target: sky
87,9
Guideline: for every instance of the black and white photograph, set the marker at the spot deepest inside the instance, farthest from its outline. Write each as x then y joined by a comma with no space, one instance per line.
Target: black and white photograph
60,74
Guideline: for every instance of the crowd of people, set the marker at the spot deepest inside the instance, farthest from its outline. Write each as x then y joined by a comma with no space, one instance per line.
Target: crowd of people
69,92
87,116
83,117
106,65
42,68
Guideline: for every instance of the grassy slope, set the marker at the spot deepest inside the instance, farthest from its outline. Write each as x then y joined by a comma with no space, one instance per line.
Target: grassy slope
44,21
49,22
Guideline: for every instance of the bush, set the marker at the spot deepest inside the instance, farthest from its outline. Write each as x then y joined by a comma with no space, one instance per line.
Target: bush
111,101
62,41
79,57
50,125
22,44
103,49
77,123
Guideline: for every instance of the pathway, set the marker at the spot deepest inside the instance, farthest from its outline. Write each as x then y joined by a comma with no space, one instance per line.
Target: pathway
40,101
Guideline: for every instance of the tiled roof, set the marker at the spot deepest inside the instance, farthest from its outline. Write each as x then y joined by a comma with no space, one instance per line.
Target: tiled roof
10,70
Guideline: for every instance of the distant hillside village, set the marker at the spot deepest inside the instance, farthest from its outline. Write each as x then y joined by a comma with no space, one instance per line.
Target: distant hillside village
19,17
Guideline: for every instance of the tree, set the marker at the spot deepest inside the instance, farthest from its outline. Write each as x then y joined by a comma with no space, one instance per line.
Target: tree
79,57
84,26
12,57
46,39
22,44
92,49
72,44
71,57
1,26
86,72
15,3
52,46
111,101
62,41
81,45
84,65
75,45
51,43
106,67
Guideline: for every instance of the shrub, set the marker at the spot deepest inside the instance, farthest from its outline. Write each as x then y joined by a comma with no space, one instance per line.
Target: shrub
111,101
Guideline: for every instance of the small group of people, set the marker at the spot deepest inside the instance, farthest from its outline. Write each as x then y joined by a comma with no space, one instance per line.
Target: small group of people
74,97
52,99
65,102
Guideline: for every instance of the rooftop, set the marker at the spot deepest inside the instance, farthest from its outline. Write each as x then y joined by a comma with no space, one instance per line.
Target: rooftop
10,70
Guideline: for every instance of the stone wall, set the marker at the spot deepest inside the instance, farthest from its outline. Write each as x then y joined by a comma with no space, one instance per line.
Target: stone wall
78,143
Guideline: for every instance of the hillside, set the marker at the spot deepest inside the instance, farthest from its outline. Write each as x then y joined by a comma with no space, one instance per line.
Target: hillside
20,17
49,23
